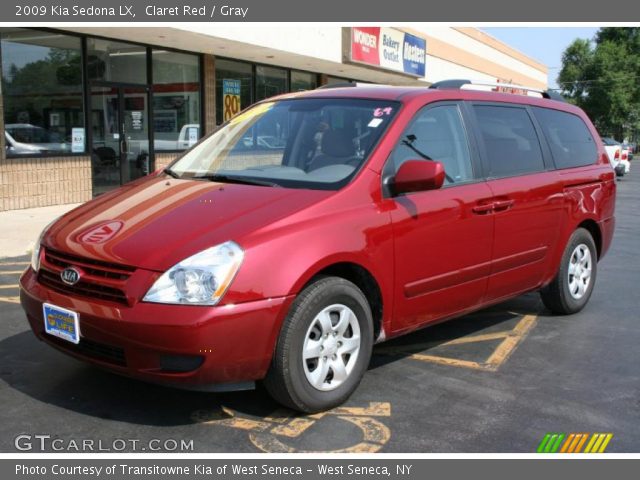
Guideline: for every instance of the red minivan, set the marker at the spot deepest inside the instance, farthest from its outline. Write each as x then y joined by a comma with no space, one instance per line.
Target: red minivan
313,225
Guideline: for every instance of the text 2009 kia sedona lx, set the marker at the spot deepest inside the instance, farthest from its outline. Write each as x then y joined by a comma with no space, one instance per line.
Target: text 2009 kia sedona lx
313,225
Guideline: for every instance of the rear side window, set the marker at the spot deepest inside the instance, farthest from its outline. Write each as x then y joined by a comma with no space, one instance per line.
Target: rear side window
569,138
510,140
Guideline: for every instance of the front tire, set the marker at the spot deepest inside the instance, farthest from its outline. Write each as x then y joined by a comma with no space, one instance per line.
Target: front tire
324,347
572,286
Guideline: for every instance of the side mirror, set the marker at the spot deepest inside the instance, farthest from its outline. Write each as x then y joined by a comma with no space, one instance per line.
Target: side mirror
418,176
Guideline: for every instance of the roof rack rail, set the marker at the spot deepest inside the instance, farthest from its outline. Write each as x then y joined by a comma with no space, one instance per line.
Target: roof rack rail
457,84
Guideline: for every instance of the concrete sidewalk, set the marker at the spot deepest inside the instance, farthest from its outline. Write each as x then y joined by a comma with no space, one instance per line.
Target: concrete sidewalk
20,228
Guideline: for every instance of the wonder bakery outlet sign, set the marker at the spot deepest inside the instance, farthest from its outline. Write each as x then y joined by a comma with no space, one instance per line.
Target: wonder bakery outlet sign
389,48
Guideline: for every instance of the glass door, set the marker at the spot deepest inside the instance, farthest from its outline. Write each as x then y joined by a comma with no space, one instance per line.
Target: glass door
120,150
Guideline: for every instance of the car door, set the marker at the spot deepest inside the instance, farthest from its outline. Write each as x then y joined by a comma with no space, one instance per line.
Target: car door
527,197
442,238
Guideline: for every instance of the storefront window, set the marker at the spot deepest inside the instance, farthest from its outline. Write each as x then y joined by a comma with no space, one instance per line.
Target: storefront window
303,81
236,74
42,93
270,81
333,80
112,61
176,100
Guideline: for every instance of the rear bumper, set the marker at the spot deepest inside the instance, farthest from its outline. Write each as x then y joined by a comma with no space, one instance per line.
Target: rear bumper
178,345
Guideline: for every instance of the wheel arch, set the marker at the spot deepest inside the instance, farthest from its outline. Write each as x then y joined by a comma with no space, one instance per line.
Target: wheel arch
594,230
363,279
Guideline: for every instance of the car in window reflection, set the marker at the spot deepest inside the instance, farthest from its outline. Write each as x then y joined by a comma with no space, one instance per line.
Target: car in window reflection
265,141
27,139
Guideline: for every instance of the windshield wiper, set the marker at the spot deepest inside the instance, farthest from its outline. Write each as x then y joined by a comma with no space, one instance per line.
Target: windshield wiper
170,172
239,179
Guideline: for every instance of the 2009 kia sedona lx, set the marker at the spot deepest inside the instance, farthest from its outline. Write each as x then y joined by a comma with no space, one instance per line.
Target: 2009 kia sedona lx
313,225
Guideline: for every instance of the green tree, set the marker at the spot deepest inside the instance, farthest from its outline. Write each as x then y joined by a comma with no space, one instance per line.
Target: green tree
602,76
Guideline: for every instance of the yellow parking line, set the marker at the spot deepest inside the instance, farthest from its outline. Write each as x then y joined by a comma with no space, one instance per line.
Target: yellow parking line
525,325
10,299
454,362
510,340
506,348
476,338
456,341
11,272
6,264
8,287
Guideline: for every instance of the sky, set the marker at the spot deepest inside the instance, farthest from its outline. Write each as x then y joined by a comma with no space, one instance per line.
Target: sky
544,44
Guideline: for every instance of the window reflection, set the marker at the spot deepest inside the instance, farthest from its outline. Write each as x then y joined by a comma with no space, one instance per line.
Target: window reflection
270,81
112,61
235,71
42,92
176,100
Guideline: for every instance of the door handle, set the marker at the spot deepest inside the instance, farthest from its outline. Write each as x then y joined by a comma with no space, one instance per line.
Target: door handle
482,209
502,205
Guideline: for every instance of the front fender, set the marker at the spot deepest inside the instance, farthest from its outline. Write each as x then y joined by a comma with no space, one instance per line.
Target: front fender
279,262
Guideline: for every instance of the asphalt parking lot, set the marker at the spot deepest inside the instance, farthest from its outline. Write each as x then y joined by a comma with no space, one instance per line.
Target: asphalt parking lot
494,381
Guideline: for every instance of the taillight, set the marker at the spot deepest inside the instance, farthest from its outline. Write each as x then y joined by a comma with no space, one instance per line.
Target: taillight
624,155
617,155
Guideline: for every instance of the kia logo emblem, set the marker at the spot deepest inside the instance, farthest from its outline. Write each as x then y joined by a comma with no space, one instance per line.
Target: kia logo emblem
70,275
101,233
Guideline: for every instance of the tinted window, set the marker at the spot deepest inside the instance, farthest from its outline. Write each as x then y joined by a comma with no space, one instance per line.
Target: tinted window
114,61
303,81
176,100
571,143
234,71
42,92
510,140
438,134
270,81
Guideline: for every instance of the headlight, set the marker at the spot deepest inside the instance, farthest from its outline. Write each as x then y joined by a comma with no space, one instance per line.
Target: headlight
35,254
198,280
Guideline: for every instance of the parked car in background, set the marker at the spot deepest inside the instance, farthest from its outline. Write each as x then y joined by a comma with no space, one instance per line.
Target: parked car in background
27,139
631,149
614,152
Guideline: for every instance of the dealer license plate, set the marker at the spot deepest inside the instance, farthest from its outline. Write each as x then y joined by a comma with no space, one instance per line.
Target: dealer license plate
61,323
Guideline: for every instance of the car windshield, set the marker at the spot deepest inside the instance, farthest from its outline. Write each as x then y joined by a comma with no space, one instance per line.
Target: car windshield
297,143
609,141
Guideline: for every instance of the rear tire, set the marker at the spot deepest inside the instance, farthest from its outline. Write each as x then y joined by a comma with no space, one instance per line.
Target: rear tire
572,286
324,347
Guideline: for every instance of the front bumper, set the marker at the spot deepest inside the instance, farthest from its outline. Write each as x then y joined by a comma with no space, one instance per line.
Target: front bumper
179,345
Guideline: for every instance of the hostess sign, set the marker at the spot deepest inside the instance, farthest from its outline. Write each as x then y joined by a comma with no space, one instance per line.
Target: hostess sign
389,48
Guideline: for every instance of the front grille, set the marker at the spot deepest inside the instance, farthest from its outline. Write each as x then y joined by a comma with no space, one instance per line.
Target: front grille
100,280
90,349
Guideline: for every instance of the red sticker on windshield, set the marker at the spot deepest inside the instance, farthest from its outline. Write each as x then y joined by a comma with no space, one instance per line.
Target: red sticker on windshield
378,112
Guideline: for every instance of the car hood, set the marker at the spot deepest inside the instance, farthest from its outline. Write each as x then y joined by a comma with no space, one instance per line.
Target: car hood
157,222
